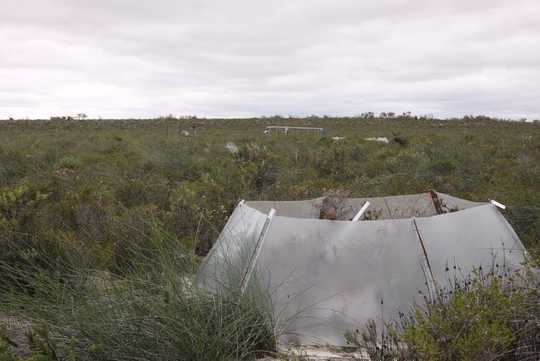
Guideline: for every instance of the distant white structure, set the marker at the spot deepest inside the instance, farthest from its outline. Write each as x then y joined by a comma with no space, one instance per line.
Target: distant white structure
286,129
378,139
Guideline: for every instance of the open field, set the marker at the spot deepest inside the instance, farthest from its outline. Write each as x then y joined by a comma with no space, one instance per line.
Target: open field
108,195
68,182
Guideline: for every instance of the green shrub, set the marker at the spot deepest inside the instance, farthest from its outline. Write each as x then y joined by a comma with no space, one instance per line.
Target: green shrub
68,162
13,166
150,313
486,317
475,323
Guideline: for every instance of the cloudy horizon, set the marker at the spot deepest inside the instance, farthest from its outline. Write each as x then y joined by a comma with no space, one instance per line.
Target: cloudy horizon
119,58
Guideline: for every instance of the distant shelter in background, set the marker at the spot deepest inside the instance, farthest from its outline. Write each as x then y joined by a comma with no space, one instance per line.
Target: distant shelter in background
63,117
79,116
287,129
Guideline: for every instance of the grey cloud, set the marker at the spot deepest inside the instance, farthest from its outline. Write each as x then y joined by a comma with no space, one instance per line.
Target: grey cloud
224,58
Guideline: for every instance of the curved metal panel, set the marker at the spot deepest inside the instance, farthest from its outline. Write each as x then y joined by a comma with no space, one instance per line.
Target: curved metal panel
329,277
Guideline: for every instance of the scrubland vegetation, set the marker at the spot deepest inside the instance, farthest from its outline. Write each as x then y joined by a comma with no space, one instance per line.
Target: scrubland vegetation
486,316
102,224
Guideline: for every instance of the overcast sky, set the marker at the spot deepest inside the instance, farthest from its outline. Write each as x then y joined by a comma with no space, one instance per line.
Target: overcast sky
118,58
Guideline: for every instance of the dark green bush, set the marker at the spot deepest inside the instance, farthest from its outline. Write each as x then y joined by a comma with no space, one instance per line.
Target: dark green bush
485,317
152,313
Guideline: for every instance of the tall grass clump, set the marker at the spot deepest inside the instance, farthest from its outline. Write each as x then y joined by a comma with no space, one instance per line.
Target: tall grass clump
489,316
152,312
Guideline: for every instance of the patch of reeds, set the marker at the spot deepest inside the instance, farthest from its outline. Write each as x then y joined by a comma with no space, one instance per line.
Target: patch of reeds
152,312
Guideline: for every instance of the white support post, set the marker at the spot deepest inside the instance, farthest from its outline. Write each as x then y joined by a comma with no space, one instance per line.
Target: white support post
361,212
258,247
497,204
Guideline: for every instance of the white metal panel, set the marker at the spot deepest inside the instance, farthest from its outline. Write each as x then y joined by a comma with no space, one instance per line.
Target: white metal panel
227,261
329,277
468,239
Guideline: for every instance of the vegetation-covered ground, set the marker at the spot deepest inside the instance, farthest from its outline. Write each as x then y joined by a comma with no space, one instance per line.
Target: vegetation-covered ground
110,195
72,185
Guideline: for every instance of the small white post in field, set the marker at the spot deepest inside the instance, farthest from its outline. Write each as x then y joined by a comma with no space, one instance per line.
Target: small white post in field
497,204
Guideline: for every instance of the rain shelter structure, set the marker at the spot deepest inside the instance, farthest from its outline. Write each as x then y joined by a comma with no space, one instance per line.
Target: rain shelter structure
328,277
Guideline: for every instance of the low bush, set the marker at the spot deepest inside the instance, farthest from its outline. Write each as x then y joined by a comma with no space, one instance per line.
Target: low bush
151,313
486,317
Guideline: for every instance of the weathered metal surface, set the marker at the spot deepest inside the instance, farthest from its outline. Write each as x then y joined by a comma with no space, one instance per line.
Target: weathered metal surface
328,277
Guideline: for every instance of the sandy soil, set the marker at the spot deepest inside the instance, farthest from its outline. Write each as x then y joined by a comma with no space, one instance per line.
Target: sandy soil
17,334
